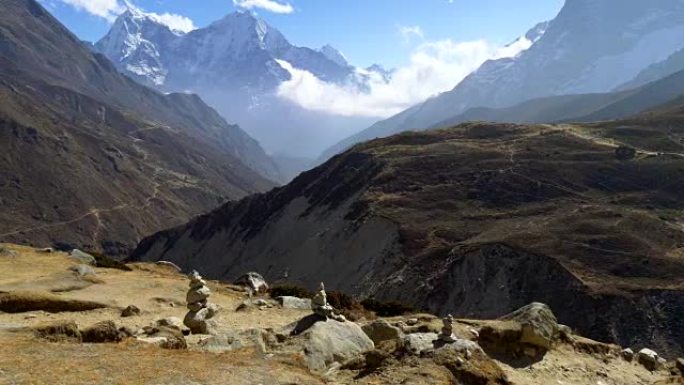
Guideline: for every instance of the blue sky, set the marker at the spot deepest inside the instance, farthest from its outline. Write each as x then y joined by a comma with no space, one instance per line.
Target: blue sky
366,31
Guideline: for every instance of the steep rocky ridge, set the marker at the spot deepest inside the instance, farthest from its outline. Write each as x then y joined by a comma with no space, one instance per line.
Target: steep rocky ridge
476,220
93,159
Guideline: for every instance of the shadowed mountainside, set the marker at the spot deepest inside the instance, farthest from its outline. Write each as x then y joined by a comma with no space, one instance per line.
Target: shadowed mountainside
93,159
476,220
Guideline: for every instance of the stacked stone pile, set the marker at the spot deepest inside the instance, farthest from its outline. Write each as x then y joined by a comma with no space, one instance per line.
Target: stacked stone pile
200,310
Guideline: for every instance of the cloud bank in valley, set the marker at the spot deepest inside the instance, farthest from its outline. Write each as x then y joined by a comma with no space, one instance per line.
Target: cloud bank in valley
434,67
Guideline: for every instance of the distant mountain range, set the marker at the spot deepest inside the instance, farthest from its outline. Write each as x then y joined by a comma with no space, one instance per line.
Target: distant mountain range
95,160
592,46
233,65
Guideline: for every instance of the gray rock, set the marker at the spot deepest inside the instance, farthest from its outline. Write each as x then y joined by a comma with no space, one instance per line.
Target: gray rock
156,341
198,321
565,331
83,270
164,337
130,311
381,330
169,264
539,324
648,358
198,295
627,354
82,257
288,302
417,343
463,346
253,281
197,306
327,342
680,365
171,322
233,341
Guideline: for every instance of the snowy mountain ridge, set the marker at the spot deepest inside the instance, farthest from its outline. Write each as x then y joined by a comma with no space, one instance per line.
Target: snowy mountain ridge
592,46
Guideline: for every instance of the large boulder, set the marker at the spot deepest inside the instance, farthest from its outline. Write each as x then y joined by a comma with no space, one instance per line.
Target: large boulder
327,342
82,257
257,338
297,303
680,365
463,346
380,331
416,343
648,358
253,281
539,324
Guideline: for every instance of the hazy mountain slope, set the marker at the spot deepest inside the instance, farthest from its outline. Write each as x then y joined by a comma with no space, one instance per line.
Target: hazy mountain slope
91,158
646,97
592,46
541,110
580,108
660,70
232,64
474,221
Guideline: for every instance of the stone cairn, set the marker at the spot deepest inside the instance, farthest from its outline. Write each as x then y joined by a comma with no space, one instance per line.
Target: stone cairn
321,307
447,334
197,319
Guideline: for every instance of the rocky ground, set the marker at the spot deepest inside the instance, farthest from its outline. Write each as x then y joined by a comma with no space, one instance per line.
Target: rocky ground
256,345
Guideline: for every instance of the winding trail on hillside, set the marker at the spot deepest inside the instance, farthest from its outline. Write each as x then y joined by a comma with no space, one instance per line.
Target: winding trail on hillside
97,212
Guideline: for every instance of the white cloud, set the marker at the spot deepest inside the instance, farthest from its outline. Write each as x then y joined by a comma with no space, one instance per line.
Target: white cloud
110,9
513,49
409,32
268,5
107,9
173,21
434,67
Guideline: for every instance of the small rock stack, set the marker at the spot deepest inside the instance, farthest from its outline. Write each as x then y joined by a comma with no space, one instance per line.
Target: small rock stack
447,334
197,319
321,307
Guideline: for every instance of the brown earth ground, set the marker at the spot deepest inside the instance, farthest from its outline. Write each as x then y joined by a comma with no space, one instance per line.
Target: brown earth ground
160,292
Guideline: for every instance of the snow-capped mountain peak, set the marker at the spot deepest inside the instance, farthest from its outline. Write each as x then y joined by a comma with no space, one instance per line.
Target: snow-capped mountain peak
232,64
334,55
592,46
134,43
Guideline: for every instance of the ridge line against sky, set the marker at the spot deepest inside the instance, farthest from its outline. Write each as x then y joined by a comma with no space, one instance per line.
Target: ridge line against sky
431,44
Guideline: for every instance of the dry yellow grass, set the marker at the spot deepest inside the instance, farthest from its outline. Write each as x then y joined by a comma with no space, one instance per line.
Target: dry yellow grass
24,360
160,292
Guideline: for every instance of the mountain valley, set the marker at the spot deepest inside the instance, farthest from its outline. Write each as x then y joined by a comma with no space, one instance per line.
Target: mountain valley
157,225
93,160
